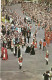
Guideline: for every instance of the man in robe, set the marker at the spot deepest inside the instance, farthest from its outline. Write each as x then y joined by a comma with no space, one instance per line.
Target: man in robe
5,55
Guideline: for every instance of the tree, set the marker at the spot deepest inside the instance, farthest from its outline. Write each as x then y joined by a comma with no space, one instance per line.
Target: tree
6,1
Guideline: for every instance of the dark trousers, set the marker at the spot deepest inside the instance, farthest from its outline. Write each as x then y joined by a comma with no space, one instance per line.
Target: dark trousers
30,34
40,46
25,40
46,62
44,48
28,39
20,67
12,49
15,50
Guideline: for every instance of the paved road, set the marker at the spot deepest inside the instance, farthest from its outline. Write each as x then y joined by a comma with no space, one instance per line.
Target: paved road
33,66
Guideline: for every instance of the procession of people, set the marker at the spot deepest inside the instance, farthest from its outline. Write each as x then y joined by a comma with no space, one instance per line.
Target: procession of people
16,34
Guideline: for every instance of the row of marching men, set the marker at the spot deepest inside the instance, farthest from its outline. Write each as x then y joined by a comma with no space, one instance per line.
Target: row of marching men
4,53
41,43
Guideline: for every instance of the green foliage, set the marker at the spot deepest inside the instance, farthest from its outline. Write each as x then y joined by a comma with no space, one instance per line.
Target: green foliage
28,0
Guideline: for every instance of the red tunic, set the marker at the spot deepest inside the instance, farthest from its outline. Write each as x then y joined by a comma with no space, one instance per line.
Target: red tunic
47,55
35,45
40,42
20,60
5,55
44,44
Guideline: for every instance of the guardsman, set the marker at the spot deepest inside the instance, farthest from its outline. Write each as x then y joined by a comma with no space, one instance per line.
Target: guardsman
44,45
40,44
20,61
35,44
46,57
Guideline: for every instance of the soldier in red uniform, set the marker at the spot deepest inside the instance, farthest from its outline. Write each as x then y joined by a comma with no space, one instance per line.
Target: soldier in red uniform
46,57
44,45
20,61
35,44
40,44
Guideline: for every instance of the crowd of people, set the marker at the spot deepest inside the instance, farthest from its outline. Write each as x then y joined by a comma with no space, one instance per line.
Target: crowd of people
16,31
40,13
